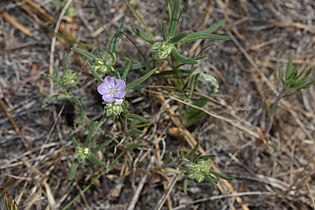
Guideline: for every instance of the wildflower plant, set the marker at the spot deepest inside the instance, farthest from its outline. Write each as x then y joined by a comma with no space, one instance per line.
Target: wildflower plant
114,88
293,80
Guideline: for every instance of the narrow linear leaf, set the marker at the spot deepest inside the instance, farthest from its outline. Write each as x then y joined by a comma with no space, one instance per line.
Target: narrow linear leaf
174,18
101,146
222,176
138,16
53,98
113,44
213,181
289,66
126,70
204,35
73,170
95,160
85,53
193,151
185,185
182,58
137,82
165,31
178,37
215,26
135,117
90,135
141,34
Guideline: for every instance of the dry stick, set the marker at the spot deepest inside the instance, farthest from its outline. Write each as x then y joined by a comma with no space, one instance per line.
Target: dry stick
9,115
53,43
167,193
14,22
143,180
192,142
216,197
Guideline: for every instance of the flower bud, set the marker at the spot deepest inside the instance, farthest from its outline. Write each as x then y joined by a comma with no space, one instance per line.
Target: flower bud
81,153
103,65
198,171
113,109
160,50
69,79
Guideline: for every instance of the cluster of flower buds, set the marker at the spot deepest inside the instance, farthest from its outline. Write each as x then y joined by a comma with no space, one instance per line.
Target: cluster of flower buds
81,153
198,171
103,65
160,50
69,79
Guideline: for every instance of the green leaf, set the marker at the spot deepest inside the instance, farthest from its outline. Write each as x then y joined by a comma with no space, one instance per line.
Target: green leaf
74,141
178,37
95,160
90,135
101,146
289,66
138,82
113,44
174,18
73,170
95,74
53,98
222,176
193,151
126,70
182,58
281,75
185,185
212,81
213,181
169,158
165,31
141,34
193,115
215,26
205,35
85,53
135,117
138,16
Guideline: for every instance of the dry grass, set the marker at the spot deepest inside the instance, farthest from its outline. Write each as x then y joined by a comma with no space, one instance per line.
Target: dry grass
35,150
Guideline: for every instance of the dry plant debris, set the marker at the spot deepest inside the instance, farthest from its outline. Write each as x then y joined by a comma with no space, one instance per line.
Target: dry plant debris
36,153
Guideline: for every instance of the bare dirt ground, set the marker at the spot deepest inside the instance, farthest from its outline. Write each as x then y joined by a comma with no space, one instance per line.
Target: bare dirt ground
35,148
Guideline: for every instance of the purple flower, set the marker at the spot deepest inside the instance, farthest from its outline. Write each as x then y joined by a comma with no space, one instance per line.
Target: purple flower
112,89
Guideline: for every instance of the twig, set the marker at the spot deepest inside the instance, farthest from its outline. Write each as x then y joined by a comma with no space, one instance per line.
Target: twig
9,115
143,180
167,193
225,196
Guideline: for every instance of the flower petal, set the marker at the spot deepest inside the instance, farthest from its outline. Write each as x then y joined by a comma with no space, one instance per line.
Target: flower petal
120,94
121,84
103,88
108,98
